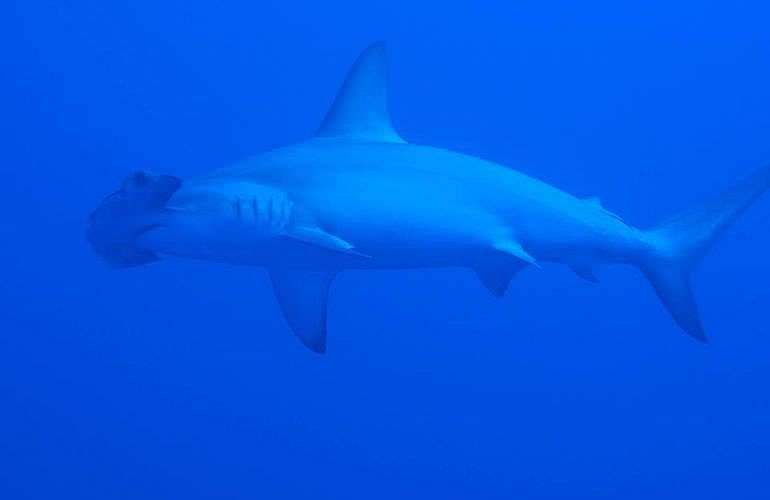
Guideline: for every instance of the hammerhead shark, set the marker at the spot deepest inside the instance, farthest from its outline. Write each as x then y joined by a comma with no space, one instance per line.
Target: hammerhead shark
358,196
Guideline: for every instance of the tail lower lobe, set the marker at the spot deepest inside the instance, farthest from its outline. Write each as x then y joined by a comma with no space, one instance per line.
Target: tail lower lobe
681,241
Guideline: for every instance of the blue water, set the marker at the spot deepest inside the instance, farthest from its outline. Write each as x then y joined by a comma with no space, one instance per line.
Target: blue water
181,379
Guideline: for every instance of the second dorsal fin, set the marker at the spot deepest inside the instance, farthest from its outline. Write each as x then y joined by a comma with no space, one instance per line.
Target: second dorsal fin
360,110
595,201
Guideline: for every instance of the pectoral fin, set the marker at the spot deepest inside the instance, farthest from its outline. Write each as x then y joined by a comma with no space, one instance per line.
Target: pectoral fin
497,279
314,235
303,297
584,271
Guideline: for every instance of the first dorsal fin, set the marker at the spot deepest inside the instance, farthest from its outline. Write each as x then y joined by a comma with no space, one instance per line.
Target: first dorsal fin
360,110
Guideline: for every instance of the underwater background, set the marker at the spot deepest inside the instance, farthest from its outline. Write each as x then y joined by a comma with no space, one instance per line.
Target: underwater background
181,379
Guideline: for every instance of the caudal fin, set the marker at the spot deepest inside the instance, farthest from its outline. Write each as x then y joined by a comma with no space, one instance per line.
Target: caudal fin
680,242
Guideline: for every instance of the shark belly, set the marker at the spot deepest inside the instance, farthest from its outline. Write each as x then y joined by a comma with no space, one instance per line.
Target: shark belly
402,206
425,206
389,227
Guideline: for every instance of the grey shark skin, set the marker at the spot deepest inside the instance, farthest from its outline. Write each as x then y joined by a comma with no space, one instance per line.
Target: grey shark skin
356,195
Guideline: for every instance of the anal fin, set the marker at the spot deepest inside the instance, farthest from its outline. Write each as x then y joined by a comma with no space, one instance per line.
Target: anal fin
585,271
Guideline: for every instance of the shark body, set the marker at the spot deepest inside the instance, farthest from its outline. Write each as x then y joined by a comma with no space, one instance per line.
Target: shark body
357,195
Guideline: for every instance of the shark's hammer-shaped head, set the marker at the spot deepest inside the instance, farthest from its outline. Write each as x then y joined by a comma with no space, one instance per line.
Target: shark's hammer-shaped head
128,213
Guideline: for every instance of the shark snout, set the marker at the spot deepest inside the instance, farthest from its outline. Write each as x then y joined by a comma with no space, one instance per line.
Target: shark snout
131,211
